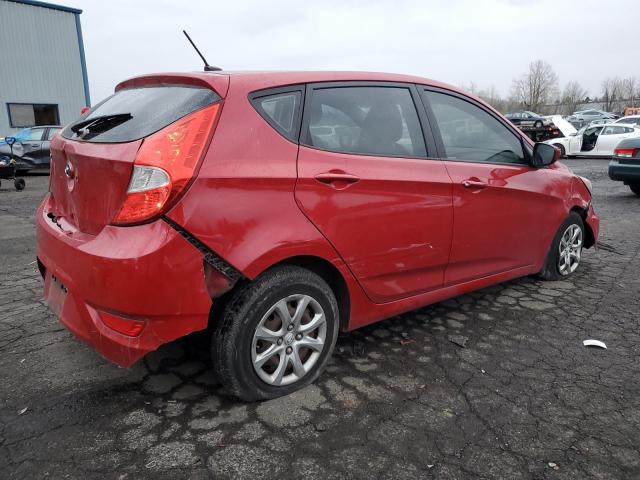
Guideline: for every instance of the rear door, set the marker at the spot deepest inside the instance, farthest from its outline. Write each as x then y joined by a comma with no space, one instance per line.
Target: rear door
372,185
45,149
610,137
499,199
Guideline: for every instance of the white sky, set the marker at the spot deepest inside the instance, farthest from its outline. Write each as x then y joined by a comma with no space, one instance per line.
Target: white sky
487,42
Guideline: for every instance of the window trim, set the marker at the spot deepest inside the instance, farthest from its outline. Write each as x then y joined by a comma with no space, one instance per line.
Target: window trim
255,96
423,119
526,148
11,124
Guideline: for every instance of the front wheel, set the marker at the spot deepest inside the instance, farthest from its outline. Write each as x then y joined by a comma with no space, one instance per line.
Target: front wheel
276,334
538,124
635,188
565,254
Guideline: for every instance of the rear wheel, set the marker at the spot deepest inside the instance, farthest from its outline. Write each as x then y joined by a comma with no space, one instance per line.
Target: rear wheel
635,188
276,334
19,184
560,147
565,254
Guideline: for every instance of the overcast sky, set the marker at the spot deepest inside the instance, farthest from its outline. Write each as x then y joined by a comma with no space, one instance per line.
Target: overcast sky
487,42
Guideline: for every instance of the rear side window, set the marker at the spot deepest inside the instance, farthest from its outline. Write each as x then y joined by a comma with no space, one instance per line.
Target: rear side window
469,133
281,110
365,120
52,133
136,113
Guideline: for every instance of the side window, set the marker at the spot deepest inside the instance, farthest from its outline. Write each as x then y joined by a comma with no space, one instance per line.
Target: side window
52,133
471,134
366,121
613,130
35,134
281,110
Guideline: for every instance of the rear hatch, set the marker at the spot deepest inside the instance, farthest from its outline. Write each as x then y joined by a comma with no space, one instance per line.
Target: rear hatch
94,162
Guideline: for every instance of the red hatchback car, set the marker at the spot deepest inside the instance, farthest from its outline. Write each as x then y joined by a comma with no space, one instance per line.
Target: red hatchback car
276,209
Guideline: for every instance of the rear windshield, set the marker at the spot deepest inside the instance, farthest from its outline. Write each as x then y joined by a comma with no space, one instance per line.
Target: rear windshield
136,113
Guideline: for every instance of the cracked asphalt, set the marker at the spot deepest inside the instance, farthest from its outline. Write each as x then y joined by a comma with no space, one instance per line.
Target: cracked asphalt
522,399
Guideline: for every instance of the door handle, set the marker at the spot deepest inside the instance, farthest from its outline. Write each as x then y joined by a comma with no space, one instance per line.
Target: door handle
473,184
334,177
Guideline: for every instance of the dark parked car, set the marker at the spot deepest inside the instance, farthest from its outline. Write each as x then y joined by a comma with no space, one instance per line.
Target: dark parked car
31,149
625,164
527,119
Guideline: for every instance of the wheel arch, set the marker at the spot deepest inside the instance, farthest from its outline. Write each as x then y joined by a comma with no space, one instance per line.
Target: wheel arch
318,265
589,240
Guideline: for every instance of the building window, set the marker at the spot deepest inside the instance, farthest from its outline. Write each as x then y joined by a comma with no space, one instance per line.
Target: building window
32,114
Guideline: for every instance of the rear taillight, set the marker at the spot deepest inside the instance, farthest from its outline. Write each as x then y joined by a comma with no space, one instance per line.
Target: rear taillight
625,152
165,165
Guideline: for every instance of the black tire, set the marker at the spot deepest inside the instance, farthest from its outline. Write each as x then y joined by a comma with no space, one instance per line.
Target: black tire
19,184
537,124
560,147
233,335
551,269
635,188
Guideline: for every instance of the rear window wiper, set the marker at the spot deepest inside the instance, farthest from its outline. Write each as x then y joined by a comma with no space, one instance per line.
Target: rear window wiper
101,123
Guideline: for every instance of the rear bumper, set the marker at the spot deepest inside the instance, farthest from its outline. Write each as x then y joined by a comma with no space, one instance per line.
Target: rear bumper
147,273
624,172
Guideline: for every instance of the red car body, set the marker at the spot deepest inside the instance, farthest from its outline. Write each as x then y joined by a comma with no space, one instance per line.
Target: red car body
392,235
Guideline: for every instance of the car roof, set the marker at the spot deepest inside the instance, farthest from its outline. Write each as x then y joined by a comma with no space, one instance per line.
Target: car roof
265,79
628,116
613,124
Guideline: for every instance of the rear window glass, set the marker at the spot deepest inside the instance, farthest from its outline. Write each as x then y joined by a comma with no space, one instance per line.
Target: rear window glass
136,113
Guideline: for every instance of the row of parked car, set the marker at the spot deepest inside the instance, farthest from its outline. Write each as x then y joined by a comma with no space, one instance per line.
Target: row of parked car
594,133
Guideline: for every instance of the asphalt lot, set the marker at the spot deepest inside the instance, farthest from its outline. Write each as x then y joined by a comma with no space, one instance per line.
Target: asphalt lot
523,399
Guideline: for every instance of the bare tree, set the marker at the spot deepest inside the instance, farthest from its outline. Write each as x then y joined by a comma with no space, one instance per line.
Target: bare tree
537,87
630,90
572,96
611,93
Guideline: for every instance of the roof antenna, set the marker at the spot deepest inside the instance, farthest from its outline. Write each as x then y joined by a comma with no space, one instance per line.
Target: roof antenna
207,67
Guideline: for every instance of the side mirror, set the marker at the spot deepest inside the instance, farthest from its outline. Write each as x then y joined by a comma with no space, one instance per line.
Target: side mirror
544,154
10,140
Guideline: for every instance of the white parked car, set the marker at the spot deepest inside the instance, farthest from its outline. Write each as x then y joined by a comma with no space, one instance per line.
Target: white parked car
594,140
629,120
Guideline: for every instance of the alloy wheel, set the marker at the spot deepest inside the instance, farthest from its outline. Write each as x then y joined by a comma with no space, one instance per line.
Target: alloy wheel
570,249
289,340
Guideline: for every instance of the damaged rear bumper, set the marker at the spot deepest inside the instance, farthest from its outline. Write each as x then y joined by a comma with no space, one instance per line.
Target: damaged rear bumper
146,281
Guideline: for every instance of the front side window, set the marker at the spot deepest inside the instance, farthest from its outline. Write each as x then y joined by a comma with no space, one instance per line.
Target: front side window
366,121
592,131
33,135
469,133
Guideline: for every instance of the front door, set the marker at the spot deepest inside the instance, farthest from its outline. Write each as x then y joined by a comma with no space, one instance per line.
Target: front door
499,199
367,181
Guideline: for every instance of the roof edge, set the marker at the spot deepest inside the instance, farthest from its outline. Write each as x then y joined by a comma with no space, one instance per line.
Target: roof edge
35,3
